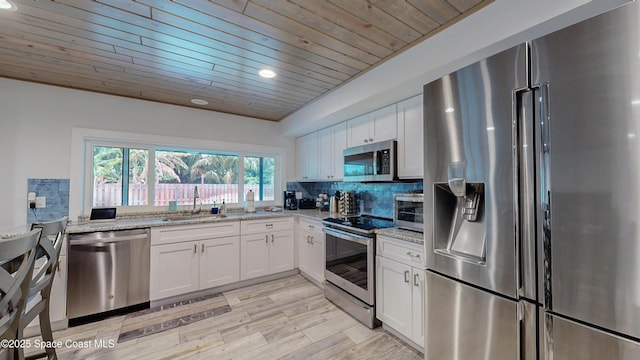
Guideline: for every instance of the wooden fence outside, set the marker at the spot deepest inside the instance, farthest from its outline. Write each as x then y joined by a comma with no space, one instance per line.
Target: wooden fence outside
111,194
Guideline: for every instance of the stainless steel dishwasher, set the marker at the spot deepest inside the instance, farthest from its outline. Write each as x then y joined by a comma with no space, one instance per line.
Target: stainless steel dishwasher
107,271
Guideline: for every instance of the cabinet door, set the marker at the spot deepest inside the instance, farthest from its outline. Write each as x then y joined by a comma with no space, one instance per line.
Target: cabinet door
317,257
393,295
219,263
339,134
325,160
58,306
254,255
384,124
174,269
410,138
358,131
307,157
418,295
281,251
304,251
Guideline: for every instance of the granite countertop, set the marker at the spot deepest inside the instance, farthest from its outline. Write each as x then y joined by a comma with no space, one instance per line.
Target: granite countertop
149,220
407,235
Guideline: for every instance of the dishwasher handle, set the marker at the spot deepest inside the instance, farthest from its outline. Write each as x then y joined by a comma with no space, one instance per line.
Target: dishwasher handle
102,241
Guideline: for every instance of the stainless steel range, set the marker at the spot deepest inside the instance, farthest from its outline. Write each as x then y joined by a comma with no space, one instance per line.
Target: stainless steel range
349,267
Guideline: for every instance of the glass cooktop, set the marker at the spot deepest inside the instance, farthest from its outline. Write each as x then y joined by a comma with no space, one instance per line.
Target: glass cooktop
363,222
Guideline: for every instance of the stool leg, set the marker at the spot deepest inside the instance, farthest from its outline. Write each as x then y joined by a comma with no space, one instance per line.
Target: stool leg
45,330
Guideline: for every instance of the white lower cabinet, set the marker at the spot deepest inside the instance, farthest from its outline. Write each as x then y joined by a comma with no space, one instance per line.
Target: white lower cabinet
58,296
400,288
311,251
266,247
191,258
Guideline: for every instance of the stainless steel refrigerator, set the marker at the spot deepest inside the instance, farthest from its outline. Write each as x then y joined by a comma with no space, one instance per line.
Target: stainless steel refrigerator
532,168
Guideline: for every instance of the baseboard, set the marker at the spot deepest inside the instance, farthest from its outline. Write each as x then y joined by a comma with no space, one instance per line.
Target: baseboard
34,328
223,288
403,338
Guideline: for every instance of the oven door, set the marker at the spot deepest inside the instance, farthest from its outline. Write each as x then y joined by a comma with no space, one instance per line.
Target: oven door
349,263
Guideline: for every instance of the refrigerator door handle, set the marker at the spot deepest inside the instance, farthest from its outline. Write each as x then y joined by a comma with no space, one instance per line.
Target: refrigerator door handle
544,195
525,178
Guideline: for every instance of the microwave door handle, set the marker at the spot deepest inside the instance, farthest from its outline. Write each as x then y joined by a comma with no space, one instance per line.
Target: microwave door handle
375,162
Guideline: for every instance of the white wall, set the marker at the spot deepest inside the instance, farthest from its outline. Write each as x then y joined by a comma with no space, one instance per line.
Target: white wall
36,122
500,25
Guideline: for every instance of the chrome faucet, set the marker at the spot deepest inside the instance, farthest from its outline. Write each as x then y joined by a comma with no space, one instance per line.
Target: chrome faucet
195,196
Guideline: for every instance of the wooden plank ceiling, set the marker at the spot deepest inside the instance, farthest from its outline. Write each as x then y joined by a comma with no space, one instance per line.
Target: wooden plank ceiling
174,51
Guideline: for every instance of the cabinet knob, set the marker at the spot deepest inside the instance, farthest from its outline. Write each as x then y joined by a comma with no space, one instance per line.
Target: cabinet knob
370,140
366,140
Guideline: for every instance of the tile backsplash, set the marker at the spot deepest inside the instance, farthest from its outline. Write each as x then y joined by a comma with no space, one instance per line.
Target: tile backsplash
57,194
372,198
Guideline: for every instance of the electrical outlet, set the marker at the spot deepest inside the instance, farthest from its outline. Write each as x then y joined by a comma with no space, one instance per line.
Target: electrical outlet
41,202
31,200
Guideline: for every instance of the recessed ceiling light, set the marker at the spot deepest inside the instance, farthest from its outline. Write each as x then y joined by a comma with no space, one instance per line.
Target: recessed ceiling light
199,102
7,5
266,73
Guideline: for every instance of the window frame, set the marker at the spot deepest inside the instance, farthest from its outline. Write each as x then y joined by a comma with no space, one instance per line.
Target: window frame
90,138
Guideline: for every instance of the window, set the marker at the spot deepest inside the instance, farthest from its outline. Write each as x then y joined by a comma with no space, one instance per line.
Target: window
119,176
259,175
178,172
147,175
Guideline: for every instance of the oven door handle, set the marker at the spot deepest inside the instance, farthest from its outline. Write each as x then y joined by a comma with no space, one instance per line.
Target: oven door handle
347,236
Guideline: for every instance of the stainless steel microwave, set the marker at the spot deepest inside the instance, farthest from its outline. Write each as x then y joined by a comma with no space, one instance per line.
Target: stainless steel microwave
408,211
371,162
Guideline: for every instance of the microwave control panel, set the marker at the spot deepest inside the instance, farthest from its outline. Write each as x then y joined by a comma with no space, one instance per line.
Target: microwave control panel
385,162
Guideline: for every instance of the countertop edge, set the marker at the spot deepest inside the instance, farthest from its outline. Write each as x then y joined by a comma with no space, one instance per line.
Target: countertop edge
153,222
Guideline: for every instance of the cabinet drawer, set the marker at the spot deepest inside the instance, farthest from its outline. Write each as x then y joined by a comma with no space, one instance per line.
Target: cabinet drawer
313,226
266,225
402,251
176,234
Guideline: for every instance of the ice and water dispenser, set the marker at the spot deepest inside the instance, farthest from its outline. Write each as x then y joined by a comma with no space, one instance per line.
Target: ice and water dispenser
459,224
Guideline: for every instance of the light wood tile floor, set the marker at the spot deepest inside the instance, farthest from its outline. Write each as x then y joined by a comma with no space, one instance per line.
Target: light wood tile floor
282,319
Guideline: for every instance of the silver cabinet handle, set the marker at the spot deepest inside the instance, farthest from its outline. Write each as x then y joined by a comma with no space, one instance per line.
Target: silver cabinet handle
415,280
409,253
202,248
311,240
195,248
272,237
406,276
266,239
269,226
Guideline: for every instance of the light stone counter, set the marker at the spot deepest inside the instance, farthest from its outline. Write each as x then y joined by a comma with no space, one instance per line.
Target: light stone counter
148,220
407,235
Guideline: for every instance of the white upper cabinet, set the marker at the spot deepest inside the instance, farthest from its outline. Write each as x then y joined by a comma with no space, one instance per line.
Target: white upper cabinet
373,127
410,138
384,124
307,157
331,142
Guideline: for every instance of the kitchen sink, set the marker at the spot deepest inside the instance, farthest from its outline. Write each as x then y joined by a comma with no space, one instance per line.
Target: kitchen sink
172,218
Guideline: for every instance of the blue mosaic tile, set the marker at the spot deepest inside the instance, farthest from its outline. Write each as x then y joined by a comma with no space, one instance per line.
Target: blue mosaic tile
371,198
57,193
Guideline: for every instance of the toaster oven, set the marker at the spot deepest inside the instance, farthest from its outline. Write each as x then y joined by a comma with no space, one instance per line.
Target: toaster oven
408,212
